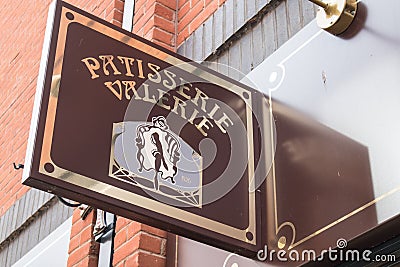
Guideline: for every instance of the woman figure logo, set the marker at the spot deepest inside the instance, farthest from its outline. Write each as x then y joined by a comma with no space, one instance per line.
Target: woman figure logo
158,149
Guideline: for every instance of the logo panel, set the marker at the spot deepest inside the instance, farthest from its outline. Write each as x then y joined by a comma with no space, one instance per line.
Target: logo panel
150,156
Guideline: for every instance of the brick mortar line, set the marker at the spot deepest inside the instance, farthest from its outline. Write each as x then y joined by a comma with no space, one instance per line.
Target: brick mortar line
161,29
203,9
161,4
142,232
152,235
148,253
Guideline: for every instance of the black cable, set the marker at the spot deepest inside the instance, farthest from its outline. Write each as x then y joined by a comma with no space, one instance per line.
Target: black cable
66,203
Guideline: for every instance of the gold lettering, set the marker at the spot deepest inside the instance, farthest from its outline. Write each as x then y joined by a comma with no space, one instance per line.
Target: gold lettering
224,119
155,77
170,76
183,87
213,111
202,96
108,61
146,94
127,61
140,68
92,66
110,85
179,103
161,98
202,124
130,86
175,103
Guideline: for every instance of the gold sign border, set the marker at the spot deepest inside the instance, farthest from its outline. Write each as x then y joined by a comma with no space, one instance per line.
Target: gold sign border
118,193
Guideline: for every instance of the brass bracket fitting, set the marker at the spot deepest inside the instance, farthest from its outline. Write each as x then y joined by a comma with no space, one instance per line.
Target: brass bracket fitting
335,16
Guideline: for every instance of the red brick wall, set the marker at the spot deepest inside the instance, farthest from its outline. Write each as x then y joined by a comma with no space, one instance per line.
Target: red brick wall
22,27
170,22
156,21
83,249
140,245
192,14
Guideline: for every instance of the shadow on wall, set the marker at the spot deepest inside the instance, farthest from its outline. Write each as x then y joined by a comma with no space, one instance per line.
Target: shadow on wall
358,23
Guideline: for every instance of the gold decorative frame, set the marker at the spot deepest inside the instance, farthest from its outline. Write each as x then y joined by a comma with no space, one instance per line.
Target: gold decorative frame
92,184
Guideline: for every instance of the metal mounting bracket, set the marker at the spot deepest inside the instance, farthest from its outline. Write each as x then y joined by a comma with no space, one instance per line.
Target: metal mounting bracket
335,16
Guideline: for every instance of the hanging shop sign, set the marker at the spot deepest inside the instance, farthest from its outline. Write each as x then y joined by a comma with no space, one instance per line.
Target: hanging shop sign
124,125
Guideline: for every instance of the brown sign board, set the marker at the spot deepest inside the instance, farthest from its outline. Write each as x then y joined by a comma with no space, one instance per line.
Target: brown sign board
126,126
129,127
